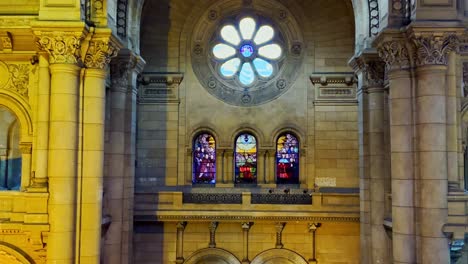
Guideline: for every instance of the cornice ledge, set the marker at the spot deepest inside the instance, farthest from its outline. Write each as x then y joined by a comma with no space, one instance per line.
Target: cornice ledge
346,78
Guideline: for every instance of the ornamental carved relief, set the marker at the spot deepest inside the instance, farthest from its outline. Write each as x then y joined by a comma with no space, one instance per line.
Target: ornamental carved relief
19,74
120,69
432,49
10,259
63,47
395,54
100,53
465,79
15,77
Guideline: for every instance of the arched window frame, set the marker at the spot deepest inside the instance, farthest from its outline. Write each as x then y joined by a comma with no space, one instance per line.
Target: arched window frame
11,166
287,172
240,170
203,168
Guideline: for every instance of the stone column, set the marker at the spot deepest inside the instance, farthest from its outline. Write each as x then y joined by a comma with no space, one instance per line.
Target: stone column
120,154
395,53
180,242
245,231
431,135
261,166
63,48
42,130
98,56
364,181
370,71
26,149
452,124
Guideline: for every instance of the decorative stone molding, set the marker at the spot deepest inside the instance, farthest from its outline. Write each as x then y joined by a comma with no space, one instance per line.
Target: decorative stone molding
100,53
374,17
10,259
212,227
371,67
15,77
214,254
273,198
160,87
122,6
16,21
7,41
25,147
277,255
279,234
63,47
432,48
9,255
212,198
254,218
120,68
395,54
334,88
465,79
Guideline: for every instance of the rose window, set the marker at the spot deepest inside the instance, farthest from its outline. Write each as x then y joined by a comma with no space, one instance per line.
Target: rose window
247,52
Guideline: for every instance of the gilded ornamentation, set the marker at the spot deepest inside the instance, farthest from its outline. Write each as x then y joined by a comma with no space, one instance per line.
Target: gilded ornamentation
395,54
434,49
99,54
63,47
7,41
19,75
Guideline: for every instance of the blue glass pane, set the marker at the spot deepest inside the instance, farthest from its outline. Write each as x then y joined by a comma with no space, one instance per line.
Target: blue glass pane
246,159
263,67
229,68
247,50
204,159
246,76
223,51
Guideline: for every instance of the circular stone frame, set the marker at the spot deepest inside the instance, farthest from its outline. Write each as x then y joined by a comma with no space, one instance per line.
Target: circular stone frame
287,34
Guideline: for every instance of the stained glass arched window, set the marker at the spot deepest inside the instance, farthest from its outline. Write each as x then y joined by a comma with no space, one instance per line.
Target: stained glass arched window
287,159
204,159
246,159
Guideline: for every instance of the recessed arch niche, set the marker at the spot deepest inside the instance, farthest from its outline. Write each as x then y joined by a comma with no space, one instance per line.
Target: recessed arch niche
212,256
278,256
13,256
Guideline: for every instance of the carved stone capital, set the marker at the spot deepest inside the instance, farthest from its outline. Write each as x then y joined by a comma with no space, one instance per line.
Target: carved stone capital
25,147
432,48
395,54
63,47
371,67
246,225
123,65
100,53
181,225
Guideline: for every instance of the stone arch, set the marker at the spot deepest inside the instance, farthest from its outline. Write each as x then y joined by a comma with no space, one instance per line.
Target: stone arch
200,130
18,106
212,256
361,18
251,130
14,255
290,128
278,256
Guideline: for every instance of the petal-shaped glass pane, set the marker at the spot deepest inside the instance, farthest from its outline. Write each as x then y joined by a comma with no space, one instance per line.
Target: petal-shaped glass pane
263,67
272,51
246,76
223,51
230,67
264,34
229,33
247,28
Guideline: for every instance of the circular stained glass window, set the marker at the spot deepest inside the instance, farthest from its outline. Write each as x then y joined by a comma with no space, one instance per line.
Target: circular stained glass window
247,51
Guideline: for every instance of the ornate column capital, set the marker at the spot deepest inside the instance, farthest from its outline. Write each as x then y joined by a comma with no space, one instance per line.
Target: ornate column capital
25,147
62,46
101,50
181,225
123,65
371,66
433,47
395,54
247,225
